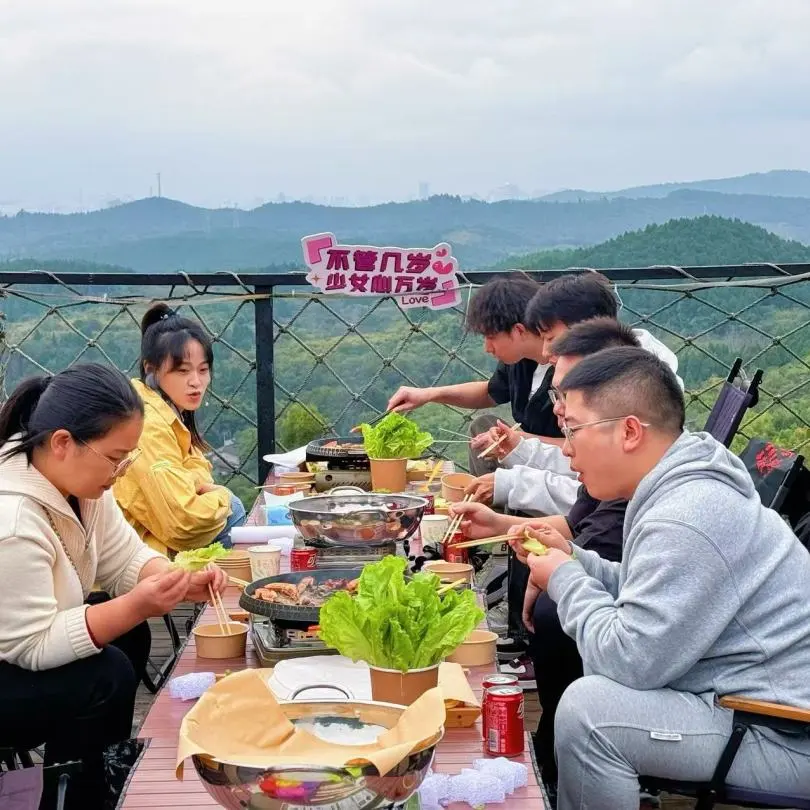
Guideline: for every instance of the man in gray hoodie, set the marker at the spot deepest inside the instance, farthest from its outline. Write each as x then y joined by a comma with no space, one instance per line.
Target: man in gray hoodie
712,598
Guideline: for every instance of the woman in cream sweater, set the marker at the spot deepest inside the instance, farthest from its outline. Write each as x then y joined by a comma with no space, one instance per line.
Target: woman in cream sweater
69,670
169,494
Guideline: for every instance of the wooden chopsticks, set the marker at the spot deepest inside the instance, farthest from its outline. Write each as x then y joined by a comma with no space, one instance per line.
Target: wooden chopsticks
497,443
443,589
487,541
456,521
219,609
239,582
371,421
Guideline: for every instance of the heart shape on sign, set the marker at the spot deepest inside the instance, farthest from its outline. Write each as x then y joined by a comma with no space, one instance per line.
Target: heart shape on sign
441,252
442,268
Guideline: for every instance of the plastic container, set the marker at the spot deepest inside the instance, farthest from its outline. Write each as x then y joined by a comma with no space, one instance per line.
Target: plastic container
434,528
479,649
210,642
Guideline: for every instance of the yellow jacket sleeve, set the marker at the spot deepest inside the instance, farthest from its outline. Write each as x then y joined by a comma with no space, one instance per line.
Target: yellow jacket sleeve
160,493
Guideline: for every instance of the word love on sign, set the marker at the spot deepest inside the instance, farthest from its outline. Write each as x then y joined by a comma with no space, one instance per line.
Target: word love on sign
415,277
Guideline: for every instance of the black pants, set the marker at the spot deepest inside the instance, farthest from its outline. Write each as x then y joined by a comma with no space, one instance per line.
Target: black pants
76,710
517,581
556,665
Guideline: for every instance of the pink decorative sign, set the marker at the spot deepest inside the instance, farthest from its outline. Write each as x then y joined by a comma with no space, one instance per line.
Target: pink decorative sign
416,277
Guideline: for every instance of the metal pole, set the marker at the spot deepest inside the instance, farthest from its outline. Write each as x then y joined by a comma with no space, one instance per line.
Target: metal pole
265,384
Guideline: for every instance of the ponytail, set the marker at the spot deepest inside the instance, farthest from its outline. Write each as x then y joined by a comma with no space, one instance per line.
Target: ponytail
86,400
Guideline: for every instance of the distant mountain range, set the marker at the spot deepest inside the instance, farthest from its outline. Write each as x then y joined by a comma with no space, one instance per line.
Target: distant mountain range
777,183
158,234
682,242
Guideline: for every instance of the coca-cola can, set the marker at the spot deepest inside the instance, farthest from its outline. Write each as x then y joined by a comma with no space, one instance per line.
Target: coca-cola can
453,554
504,735
303,559
430,509
494,681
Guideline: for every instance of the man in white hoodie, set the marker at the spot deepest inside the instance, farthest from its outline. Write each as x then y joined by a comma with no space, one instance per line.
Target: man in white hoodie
536,477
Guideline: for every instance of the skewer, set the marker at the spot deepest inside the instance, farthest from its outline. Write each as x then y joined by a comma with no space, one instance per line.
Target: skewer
497,443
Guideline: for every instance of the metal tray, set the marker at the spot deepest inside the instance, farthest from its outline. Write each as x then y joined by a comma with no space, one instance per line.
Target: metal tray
291,613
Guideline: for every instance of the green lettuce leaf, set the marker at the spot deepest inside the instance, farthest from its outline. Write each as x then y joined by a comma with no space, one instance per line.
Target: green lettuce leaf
398,624
395,436
196,559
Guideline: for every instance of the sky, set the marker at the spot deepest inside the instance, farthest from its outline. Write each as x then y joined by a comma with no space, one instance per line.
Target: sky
235,102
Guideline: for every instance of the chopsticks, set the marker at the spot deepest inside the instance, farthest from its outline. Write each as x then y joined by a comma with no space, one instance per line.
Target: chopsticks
371,421
240,582
456,521
426,485
497,443
486,541
219,609
447,587
456,433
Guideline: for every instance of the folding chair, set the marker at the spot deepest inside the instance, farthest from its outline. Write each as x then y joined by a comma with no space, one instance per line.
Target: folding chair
162,671
734,399
780,477
747,714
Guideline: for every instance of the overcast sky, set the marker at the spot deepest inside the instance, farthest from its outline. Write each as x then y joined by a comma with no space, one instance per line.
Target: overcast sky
236,101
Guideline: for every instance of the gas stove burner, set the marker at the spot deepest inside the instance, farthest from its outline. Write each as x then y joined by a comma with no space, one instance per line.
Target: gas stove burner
345,453
351,556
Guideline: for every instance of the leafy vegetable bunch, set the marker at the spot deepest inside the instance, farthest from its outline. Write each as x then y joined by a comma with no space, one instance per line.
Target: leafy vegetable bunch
394,624
196,559
395,436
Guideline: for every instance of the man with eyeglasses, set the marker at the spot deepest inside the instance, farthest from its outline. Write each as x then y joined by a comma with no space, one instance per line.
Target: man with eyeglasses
591,524
710,598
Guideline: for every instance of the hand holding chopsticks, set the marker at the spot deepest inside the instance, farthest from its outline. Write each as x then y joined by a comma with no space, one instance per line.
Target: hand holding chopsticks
219,609
498,442
456,521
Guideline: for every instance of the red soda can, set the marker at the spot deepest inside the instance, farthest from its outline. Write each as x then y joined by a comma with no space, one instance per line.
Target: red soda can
491,682
503,722
430,509
303,559
455,555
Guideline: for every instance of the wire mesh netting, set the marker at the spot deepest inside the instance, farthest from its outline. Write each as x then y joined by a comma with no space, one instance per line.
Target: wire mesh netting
338,360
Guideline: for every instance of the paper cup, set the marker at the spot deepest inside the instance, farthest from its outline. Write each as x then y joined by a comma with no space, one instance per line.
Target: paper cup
434,528
265,561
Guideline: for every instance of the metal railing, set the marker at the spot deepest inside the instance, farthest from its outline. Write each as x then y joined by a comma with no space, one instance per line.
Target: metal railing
291,363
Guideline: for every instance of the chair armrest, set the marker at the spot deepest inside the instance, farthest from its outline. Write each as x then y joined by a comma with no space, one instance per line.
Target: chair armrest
744,704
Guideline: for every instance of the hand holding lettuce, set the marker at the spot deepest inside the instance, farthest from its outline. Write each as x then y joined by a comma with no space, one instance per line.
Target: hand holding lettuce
394,624
197,558
395,436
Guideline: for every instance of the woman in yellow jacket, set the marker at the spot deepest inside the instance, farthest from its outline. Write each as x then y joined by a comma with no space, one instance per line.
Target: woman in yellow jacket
169,494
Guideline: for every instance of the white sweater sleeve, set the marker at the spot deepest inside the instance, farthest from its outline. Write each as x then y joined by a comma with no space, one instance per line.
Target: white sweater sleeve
121,553
34,634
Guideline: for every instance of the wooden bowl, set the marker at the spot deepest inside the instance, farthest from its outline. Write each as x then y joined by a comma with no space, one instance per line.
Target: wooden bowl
211,643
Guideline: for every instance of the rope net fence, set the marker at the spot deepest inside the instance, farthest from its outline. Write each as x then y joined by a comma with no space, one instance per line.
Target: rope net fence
338,360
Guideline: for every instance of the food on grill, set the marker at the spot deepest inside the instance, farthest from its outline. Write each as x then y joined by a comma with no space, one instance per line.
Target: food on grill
334,444
306,593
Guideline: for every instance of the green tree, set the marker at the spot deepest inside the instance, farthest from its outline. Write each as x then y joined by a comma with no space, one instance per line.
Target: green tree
300,425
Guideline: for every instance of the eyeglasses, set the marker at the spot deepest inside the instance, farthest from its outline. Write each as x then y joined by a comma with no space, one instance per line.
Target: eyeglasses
555,396
568,431
120,467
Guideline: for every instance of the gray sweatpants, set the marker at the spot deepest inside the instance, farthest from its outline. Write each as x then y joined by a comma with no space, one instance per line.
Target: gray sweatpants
606,735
